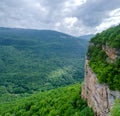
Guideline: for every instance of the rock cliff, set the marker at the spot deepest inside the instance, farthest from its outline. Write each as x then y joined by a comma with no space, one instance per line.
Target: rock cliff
98,96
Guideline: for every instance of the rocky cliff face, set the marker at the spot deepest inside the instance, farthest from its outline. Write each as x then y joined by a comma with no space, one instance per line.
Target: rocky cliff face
98,96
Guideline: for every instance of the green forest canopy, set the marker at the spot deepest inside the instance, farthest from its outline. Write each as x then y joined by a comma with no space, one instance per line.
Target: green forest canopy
64,101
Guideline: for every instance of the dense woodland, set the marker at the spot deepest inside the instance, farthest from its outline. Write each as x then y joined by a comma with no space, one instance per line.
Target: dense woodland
107,72
64,101
38,60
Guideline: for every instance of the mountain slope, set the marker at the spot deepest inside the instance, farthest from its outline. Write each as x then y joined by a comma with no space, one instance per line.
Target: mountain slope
65,101
38,60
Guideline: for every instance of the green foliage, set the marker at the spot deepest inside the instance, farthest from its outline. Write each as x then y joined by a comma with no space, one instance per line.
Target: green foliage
111,36
116,108
64,101
107,72
33,60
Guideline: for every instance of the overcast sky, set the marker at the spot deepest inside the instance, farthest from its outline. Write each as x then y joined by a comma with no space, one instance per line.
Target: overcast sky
75,17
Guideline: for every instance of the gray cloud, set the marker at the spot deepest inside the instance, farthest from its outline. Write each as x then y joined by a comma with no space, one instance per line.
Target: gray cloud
94,11
70,16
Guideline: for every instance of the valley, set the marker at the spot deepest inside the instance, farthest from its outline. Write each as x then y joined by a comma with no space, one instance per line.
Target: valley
42,73
38,60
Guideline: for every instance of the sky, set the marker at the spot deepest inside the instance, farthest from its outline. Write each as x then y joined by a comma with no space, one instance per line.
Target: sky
74,17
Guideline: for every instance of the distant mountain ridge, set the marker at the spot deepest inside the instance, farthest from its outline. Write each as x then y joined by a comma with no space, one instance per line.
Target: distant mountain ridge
87,37
34,30
38,60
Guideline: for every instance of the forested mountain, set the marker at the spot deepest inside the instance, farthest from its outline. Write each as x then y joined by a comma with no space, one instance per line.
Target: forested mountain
38,60
104,57
64,101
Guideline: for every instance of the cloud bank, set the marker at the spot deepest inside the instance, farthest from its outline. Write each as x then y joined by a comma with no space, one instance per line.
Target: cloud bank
75,17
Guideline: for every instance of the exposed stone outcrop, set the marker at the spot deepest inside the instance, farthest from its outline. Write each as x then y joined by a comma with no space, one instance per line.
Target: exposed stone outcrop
112,53
98,96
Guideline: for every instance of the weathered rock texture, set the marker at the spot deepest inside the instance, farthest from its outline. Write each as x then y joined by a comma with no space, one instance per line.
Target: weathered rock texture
112,53
98,96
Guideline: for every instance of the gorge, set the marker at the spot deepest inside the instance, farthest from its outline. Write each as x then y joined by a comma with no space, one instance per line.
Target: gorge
53,88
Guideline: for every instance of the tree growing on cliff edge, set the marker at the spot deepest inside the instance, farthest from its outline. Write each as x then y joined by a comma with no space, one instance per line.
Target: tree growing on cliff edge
106,69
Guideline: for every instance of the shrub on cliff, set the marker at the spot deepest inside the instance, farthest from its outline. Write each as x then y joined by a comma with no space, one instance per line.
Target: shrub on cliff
116,108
